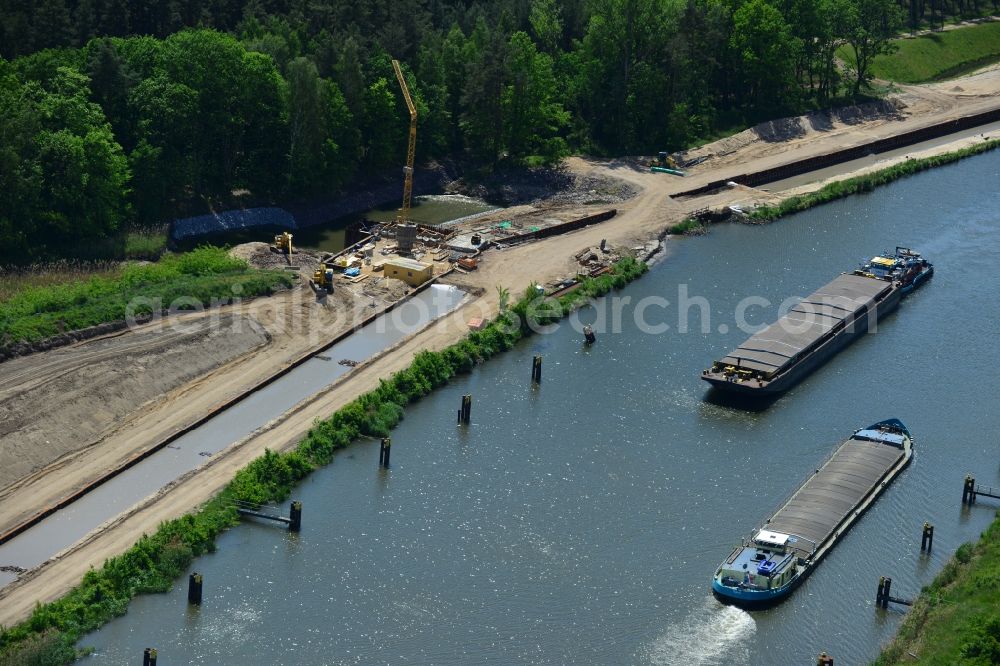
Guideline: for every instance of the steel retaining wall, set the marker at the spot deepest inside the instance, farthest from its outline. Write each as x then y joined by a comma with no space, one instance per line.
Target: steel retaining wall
875,147
557,229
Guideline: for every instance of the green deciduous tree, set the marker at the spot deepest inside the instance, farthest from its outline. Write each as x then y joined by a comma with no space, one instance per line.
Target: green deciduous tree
63,176
627,71
238,133
766,52
869,26
532,113
322,136
162,161
381,126
431,98
546,24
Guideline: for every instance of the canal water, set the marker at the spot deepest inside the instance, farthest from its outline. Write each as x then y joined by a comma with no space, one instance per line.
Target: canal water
427,209
581,521
329,236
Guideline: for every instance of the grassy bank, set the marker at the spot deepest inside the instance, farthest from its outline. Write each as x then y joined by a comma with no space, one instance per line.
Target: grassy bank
937,56
956,619
866,182
146,244
16,279
33,313
691,227
155,561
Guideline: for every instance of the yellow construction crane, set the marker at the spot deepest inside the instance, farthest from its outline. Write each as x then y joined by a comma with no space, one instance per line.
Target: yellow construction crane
404,212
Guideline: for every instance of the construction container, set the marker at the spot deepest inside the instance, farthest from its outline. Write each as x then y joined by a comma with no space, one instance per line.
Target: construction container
410,271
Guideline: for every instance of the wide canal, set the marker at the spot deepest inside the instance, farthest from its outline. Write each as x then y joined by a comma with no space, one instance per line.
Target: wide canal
581,521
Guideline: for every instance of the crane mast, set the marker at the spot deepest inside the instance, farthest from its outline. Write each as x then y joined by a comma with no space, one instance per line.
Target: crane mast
411,147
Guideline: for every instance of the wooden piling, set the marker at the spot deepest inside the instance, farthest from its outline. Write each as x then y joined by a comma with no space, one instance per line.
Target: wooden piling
969,490
149,657
536,370
194,588
295,517
588,335
884,594
927,538
824,660
383,453
465,413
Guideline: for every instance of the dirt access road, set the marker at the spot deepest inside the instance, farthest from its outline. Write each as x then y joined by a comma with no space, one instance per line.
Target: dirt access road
640,219
72,413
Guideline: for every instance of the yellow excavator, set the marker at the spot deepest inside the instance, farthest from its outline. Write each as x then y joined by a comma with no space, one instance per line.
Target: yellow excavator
663,160
664,163
282,243
323,279
411,147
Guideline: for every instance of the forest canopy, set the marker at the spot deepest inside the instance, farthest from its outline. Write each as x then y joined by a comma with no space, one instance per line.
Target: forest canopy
122,114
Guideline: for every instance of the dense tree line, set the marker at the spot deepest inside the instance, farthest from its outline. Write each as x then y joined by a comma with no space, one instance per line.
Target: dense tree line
116,112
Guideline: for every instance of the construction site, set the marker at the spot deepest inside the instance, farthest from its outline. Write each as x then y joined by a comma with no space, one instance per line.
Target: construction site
81,414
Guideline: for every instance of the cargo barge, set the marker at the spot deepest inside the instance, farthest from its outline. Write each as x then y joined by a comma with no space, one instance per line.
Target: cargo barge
770,564
776,358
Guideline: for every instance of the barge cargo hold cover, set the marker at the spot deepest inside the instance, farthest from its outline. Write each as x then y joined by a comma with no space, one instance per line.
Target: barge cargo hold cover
789,545
774,359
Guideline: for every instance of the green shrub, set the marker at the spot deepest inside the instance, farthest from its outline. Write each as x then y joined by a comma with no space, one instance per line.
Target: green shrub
145,245
982,640
47,648
690,225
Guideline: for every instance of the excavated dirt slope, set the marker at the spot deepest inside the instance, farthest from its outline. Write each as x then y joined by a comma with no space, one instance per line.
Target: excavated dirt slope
77,394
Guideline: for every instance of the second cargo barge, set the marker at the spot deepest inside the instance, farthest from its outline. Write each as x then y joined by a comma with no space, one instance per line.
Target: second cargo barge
773,360
778,556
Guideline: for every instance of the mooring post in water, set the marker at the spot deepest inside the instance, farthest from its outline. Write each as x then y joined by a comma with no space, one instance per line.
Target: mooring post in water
536,370
880,594
969,490
885,592
295,517
588,335
465,413
927,538
149,657
824,660
383,452
194,588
